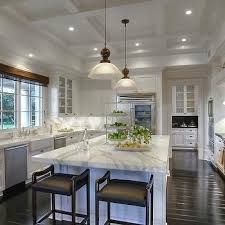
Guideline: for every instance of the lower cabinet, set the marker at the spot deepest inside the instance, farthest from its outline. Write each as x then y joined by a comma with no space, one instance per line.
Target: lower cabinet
74,138
185,137
38,147
2,170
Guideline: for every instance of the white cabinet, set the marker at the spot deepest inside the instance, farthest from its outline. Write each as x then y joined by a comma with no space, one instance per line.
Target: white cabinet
74,138
185,100
65,96
37,147
178,139
185,137
2,171
145,84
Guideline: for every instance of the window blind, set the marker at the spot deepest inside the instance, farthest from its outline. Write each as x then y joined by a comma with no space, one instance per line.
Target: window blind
13,73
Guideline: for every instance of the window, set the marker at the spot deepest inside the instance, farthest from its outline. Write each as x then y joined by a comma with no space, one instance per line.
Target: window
31,105
20,104
8,104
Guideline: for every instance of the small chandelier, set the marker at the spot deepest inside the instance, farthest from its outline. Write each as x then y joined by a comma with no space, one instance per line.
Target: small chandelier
105,70
126,84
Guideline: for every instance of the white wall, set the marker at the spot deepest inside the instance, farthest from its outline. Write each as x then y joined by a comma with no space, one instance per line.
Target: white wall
93,96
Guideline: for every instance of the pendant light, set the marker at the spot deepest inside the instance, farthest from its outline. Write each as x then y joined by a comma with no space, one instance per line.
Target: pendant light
126,84
105,70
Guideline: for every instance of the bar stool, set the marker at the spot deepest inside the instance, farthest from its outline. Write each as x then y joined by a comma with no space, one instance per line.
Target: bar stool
61,184
123,192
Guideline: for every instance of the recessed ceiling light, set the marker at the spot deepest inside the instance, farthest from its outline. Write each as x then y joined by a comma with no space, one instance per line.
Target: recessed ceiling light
95,49
184,39
71,28
137,44
188,12
30,55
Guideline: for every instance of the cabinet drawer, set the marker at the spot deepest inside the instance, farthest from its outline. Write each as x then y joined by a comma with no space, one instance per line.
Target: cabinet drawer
42,144
191,137
40,151
178,130
192,130
190,143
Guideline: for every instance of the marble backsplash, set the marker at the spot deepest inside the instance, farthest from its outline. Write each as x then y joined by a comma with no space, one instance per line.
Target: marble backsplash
93,123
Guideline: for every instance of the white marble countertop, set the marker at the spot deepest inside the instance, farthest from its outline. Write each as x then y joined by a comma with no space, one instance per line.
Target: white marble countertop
101,155
5,143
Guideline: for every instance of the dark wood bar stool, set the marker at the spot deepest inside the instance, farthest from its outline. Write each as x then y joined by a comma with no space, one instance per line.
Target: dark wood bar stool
125,192
61,184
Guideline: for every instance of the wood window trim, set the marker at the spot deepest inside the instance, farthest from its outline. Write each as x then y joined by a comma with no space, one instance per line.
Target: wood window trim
24,75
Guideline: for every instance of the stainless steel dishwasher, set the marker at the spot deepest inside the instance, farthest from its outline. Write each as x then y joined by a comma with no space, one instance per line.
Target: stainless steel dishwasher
15,165
59,142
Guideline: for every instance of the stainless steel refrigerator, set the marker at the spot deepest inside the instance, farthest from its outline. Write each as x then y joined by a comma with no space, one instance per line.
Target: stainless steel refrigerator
143,109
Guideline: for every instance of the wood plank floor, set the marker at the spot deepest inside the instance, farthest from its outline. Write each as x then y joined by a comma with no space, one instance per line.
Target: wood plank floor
196,193
196,196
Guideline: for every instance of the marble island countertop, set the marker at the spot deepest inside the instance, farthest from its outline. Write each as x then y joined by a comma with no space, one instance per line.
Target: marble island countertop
104,156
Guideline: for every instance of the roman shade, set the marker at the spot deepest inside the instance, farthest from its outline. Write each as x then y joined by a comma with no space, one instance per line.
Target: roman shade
13,73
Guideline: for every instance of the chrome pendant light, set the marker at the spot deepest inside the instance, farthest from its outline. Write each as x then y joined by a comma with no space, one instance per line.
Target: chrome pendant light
105,70
126,84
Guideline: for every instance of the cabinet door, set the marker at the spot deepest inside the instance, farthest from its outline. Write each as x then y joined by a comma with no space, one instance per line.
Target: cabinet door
179,140
2,171
146,84
69,96
185,100
180,99
65,96
190,99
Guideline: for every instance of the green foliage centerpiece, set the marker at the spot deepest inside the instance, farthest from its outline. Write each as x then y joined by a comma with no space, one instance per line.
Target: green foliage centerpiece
140,135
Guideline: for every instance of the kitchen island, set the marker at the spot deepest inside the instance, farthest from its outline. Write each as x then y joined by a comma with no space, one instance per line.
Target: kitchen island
123,165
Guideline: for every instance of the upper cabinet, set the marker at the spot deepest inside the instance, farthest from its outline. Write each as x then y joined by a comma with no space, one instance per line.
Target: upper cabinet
146,84
65,96
185,100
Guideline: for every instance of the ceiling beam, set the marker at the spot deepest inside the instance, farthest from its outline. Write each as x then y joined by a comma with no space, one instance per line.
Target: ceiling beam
90,12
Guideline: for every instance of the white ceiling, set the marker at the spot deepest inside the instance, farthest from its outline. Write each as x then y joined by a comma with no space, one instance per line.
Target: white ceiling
159,25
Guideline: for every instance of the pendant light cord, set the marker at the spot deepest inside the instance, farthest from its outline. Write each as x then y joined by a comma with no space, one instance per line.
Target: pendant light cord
125,45
105,24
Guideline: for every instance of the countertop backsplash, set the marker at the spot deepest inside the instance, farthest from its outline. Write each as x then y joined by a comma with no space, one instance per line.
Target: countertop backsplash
92,123
54,125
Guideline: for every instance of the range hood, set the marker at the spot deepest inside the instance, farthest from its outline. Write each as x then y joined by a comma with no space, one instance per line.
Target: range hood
136,98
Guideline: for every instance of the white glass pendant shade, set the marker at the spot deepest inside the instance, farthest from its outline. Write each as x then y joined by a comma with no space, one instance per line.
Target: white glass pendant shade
105,71
126,85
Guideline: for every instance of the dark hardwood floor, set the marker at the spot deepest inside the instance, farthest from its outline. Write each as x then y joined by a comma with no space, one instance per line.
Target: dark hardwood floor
196,196
196,193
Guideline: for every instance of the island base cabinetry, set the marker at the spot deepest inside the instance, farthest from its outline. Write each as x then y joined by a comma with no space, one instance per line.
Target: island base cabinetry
119,212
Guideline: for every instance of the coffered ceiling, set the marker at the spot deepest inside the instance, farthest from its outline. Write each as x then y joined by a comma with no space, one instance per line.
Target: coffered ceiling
158,26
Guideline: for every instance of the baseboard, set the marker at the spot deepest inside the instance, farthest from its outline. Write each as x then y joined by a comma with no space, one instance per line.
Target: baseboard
12,191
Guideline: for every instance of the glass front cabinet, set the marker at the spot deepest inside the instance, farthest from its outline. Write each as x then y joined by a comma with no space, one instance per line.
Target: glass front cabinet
65,96
185,100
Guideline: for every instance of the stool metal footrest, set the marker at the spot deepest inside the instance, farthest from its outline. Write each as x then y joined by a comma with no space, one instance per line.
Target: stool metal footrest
85,217
108,222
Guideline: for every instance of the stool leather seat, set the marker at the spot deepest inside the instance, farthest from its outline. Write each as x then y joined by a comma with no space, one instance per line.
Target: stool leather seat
58,183
124,192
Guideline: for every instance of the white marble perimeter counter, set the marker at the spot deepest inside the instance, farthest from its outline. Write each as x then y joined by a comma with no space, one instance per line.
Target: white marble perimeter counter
101,155
5,143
